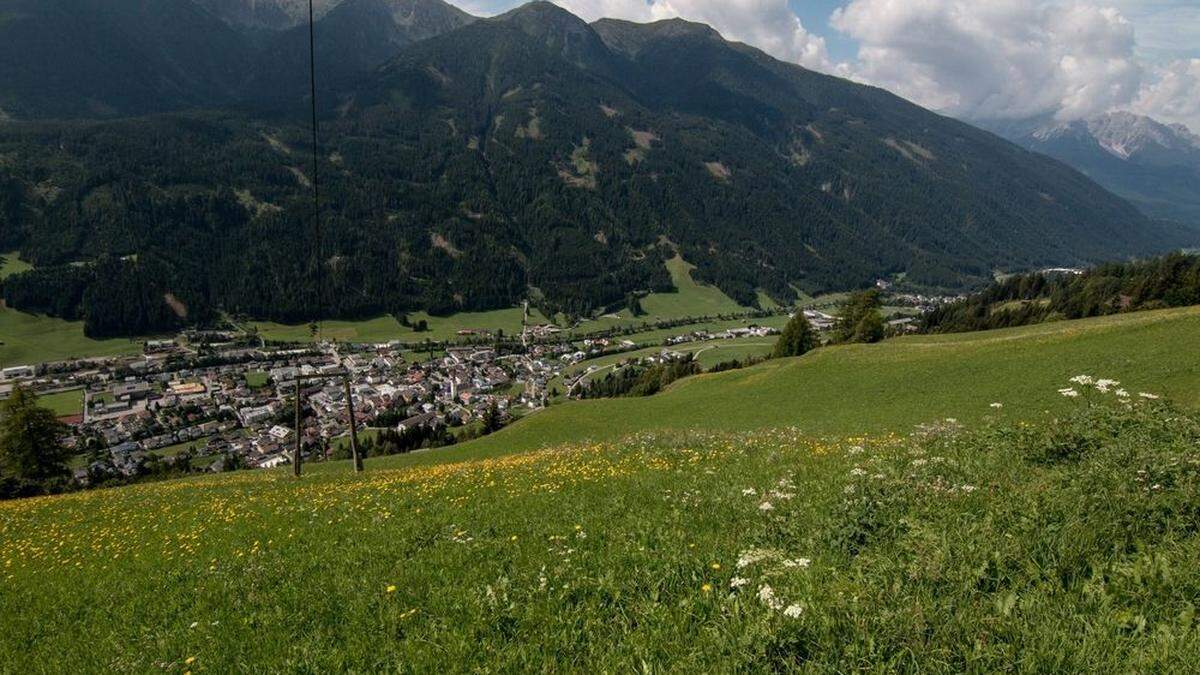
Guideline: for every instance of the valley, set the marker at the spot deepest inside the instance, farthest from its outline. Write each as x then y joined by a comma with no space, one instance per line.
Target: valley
669,513
591,336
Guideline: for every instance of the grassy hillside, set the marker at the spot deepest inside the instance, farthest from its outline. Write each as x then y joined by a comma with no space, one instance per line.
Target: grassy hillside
947,551
29,338
894,385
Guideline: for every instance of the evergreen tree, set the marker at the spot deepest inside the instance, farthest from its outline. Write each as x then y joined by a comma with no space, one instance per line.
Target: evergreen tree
31,452
861,320
797,339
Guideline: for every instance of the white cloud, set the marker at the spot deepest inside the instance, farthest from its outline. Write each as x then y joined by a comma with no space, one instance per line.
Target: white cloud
769,25
996,59
1174,96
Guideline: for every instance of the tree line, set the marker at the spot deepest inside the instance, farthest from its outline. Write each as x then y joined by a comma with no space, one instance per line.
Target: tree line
1169,281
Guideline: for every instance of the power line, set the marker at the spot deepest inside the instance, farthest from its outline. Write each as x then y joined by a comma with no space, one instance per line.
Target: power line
312,80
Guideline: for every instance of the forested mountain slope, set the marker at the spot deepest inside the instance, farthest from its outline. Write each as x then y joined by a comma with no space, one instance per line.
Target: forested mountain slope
534,155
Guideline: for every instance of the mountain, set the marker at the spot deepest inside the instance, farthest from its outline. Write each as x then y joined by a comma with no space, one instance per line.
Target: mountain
1153,165
110,58
535,155
119,58
352,38
266,15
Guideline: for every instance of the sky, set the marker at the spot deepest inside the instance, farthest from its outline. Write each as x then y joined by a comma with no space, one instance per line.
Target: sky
975,59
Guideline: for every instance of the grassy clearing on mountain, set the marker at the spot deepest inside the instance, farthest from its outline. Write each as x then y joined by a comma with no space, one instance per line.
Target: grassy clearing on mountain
30,339
11,263
948,550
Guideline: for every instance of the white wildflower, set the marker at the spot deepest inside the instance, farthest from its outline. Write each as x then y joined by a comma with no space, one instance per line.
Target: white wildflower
738,582
749,491
1121,393
920,462
997,405
1083,380
1149,397
766,506
856,471
798,562
1069,393
855,450
969,488
1104,385
767,595
752,556
793,611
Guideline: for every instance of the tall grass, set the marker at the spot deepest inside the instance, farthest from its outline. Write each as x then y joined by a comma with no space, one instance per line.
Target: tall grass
1068,544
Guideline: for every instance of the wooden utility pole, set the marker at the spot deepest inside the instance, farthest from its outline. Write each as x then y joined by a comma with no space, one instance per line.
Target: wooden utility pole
296,457
345,375
358,462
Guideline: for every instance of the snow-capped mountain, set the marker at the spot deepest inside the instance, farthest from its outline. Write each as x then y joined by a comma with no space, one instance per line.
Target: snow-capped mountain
1154,165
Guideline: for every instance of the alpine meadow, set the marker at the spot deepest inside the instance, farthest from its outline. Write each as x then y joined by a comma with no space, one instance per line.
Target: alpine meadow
717,336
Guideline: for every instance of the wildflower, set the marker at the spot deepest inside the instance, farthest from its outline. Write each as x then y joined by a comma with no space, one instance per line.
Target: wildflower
969,488
513,538
715,566
793,611
1149,397
194,624
856,471
997,405
1069,393
799,562
766,595
738,582
706,588
1121,393
1083,380
766,506
749,491
189,660
1104,385
855,450
391,589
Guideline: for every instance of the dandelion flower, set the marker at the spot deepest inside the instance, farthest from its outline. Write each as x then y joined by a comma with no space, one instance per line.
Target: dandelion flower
706,588
391,589
189,660
715,566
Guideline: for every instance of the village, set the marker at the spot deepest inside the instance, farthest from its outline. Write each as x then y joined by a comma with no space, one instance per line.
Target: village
232,406
221,400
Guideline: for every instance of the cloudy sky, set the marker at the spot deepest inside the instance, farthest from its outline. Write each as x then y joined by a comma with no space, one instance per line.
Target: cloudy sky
980,59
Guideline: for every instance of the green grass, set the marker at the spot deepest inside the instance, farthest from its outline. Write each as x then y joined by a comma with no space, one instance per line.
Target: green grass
708,354
11,263
256,379
893,385
693,299
387,328
26,339
64,404
767,551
